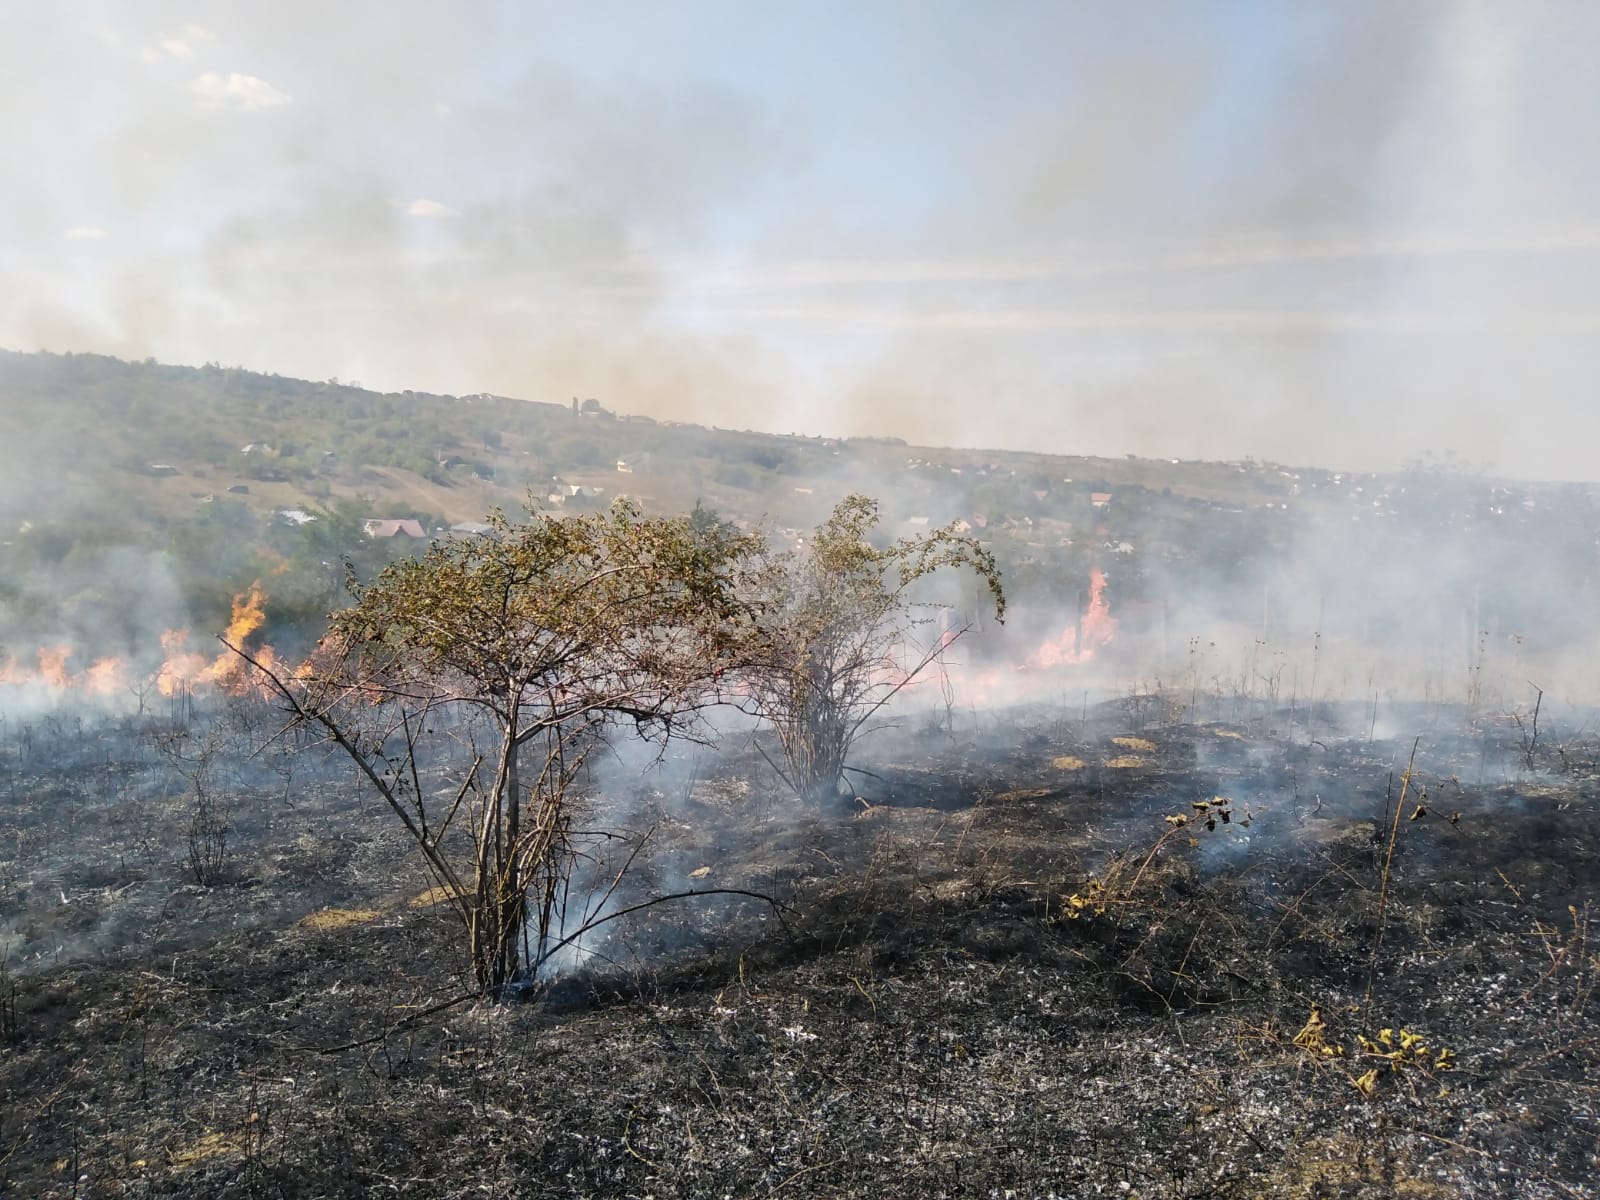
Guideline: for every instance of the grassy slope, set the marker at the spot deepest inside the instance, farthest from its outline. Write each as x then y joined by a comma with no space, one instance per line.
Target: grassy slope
78,433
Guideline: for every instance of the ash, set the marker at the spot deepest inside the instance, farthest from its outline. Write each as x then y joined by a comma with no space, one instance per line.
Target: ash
1022,966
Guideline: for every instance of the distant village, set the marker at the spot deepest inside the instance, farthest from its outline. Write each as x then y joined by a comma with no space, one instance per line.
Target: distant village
1002,496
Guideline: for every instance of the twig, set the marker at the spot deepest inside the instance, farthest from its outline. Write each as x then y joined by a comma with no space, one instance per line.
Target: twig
393,1029
778,908
1493,1157
778,1187
1388,859
627,1145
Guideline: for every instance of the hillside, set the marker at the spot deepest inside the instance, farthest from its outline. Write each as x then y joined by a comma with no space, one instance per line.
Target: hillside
141,497
88,430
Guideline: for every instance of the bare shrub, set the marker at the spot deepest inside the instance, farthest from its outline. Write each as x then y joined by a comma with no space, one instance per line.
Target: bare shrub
471,685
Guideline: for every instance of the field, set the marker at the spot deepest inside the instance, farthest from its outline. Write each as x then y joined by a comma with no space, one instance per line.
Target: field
1006,969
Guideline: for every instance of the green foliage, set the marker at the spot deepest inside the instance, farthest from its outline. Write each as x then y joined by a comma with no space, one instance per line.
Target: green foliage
540,636
841,627
509,618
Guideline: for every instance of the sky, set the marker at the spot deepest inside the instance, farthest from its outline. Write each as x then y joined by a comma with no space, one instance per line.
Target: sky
1346,235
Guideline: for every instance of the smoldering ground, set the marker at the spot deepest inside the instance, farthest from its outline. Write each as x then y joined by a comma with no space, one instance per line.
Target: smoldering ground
930,964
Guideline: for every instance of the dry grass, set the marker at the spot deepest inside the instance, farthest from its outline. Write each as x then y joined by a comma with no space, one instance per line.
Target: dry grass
1017,795
430,898
1345,1166
339,918
205,1148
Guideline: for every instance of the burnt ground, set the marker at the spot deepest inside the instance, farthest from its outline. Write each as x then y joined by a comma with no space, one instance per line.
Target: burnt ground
1004,973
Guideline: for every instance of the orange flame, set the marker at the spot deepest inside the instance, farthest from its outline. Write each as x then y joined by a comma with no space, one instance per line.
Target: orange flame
181,670
187,670
53,666
103,677
248,615
106,676
1078,643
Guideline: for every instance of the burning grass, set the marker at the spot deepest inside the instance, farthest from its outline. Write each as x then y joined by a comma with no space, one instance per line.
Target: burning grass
178,669
936,1017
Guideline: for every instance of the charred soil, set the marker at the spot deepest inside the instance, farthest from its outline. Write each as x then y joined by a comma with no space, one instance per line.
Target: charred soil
1086,956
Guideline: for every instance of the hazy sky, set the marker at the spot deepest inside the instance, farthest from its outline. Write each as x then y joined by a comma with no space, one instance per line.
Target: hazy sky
1339,234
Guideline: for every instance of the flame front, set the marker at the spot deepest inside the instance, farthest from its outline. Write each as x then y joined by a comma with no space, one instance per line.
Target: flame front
1079,642
52,670
182,670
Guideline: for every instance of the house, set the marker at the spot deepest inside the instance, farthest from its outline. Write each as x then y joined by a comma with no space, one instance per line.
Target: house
1100,499
391,527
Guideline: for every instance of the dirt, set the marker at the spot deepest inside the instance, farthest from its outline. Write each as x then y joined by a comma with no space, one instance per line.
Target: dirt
990,975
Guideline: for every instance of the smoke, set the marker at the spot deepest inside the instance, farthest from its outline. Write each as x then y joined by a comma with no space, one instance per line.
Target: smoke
1321,235
1337,235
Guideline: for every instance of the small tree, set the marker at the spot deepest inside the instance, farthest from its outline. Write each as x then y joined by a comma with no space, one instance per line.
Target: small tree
528,646
838,631
193,753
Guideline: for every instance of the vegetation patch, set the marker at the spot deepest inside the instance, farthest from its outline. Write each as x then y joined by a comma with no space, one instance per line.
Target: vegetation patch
339,918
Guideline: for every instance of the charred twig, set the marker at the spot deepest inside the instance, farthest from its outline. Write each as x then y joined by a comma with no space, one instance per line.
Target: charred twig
1388,860
554,948
761,750
869,775
802,1172
1530,737
404,1023
1493,1157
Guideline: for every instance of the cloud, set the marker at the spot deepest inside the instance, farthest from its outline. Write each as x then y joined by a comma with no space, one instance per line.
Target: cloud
86,233
244,92
1123,232
430,209
182,45
1261,322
